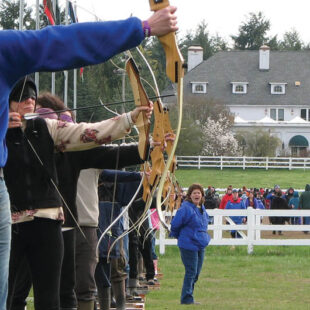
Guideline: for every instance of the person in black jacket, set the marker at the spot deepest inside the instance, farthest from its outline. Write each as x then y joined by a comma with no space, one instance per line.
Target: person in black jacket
278,203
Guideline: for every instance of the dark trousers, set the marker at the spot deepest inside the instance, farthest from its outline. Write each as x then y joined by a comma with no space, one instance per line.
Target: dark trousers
137,244
23,282
103,273
86,262
40,242
67,280
235,234
23,285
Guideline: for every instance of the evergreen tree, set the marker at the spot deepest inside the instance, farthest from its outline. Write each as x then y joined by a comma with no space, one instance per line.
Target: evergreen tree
202,37
291,41
9,15
252,33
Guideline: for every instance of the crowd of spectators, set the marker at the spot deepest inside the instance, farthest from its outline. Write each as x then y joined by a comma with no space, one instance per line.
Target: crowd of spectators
262,198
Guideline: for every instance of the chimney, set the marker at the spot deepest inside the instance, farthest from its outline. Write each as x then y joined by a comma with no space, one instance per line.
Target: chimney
195,57
264,58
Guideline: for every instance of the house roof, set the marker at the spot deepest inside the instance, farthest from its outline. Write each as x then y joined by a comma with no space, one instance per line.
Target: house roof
243,66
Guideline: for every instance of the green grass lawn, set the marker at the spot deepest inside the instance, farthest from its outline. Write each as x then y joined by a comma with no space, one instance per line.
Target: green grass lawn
249,177
275,278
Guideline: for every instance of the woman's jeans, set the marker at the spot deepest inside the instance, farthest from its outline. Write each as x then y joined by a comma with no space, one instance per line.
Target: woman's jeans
5,242
192,261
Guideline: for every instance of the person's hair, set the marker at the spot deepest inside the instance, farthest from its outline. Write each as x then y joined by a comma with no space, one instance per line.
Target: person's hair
191,189
279,194
48,100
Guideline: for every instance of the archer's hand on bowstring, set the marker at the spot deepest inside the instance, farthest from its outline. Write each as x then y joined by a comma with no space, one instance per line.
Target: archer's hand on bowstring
14,120
148,110
163,21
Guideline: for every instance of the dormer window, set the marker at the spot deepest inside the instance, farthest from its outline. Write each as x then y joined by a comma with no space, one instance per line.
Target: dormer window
277,88
199,87
239,87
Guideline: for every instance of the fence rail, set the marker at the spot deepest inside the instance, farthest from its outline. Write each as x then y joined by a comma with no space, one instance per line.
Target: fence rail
252,228
244,162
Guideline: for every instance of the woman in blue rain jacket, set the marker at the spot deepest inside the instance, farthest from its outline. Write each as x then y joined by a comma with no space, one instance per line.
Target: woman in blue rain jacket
190,226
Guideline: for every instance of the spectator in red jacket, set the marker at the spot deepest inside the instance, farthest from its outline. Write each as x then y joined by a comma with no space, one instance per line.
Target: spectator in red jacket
227,197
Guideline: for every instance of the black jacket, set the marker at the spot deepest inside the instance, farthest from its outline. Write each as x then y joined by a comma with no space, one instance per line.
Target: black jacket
29,183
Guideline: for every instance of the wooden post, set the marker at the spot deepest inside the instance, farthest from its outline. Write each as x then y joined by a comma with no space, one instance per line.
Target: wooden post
251,223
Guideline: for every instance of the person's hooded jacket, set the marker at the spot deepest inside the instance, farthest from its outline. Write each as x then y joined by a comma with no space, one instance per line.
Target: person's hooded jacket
190,227
294,202
304,200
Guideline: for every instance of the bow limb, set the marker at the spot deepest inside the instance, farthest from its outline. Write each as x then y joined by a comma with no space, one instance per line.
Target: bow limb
175,72
141,99
157,158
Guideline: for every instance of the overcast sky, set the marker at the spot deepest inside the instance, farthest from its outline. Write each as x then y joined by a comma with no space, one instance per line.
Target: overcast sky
222,16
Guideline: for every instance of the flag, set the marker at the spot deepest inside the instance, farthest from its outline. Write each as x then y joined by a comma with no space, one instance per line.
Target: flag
72,14
82,74
48,10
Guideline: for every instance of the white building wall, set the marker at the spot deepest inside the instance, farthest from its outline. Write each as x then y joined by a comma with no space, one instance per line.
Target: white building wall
256,113
283,132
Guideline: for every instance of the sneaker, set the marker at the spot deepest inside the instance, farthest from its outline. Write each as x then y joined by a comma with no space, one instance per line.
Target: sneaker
150,282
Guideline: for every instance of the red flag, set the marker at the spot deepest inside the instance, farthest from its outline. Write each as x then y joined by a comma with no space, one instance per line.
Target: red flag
81,74
48,10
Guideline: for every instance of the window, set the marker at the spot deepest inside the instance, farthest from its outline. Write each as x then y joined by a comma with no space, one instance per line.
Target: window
280,114
277,88
199,87
239,87
305,114
277,114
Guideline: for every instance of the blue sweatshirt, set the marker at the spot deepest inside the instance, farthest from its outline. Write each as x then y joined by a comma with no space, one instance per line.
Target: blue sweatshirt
56,48
236,204
190,227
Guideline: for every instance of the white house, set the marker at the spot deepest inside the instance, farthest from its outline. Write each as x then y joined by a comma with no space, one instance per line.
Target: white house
263,89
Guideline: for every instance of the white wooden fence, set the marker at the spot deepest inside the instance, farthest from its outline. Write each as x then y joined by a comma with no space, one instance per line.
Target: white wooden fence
243,162
252,228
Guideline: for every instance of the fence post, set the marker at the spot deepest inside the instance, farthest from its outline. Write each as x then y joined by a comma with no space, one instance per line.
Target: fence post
199,162
267,162
251,223
290,164
221,162
257,223
216,222
162,235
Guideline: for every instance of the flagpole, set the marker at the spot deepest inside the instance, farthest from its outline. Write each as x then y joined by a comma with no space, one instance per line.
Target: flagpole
66,72
53,73
21,14
75,80
37,76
